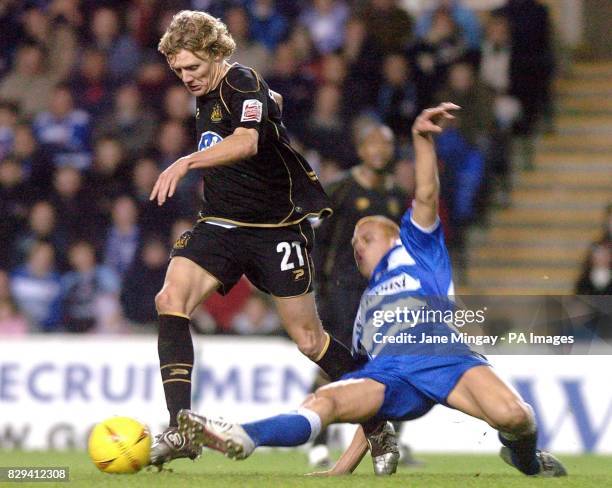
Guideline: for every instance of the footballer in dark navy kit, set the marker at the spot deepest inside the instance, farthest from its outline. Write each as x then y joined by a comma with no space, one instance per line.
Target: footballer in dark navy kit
258,196
274,189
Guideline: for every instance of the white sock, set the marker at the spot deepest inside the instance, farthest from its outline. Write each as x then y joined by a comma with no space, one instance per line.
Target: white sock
313,419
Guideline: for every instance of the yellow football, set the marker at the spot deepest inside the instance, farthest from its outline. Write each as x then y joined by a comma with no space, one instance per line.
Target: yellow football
120,445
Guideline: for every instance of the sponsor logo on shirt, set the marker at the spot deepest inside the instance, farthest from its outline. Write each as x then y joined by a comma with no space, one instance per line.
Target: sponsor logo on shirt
208,139
403,282
251,111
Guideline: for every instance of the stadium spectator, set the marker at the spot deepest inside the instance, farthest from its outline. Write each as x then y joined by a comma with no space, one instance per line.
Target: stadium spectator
152,80
29,76
363,60
37,289
475,119
268,26
123,237
142,281
121,50
403,175
333,70
596,276
35,162
434,52
171,142
89,291
64,130
131,123
532,67
152,218
68,12
464,17
303,49
52,30
41,226
397,96
495,75
257,317
91,84
179,106
9,115
325,126
330,172
216,8
464,146
325,21
388,24
248,51
11,32
12,321
75,210
607,225
14,196
107,175
296,88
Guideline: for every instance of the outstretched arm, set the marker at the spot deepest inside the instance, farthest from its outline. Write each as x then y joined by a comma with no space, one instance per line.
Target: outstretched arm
350,458
427,184
241,144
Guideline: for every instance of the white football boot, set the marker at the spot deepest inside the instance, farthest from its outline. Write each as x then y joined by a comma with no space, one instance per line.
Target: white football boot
218,434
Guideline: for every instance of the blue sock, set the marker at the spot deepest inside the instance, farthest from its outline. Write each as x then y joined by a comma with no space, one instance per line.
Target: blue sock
523,452
288,429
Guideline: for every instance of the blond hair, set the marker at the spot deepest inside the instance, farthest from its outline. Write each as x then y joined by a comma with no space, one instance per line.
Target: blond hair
199,33
390,228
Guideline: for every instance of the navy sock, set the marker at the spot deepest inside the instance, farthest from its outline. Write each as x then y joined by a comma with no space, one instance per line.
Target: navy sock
523,452
285,430
336,360
175,349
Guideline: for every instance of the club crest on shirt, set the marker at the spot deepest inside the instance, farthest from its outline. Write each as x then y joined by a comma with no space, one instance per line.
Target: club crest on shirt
182,241
208,139
251,111
216,115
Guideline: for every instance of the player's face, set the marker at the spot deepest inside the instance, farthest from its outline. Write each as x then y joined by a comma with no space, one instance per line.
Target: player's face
194,72
370,244
376,149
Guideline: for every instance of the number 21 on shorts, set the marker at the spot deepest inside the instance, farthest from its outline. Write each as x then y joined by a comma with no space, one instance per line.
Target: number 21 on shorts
287,261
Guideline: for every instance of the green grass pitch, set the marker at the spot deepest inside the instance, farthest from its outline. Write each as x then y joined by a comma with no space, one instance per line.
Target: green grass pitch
286,469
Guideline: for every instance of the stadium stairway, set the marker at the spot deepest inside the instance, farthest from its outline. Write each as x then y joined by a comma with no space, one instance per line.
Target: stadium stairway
538,245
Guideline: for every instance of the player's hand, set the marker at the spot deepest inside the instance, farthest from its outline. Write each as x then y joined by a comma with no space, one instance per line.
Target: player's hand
166,183
433,121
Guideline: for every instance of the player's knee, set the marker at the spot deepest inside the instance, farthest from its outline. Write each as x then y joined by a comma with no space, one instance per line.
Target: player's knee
326,403
513,415
310,342
167,301
308,346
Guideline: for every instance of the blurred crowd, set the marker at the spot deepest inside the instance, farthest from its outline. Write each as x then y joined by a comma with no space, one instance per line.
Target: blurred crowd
596,275
90,114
